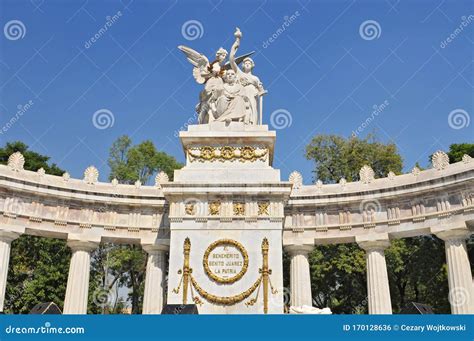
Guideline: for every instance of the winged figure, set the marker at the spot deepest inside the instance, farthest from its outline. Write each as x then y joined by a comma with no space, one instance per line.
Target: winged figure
203,70
212,76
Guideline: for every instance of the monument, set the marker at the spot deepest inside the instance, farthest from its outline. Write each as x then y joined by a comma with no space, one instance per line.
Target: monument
226,203
220,227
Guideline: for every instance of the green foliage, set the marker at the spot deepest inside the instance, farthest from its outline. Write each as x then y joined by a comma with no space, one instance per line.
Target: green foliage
338,278
38,266
113,267
37,273
33,160
123,266
336,157
417,272
130,163
456,151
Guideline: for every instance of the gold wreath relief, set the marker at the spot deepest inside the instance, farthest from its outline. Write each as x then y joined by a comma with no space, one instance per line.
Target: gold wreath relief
223,242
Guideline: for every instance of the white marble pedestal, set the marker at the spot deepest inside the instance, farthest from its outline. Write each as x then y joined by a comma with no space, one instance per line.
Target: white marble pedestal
227,191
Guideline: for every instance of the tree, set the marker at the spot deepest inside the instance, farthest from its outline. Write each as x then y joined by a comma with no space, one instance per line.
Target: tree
336,157
130,163
33,160
456,151
338,271
125,264
38,267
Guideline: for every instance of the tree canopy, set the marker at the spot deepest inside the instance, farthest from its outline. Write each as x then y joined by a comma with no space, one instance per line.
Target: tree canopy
336,157
457,150
129,163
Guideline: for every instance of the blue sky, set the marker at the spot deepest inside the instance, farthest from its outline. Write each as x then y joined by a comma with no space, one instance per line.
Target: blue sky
324,70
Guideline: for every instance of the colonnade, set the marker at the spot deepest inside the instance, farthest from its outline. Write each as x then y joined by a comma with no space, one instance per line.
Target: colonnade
77,290
461,288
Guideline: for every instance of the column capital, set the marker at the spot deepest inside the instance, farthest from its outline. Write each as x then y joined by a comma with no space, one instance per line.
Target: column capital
373,242
8,236
299,249
454,234
82,245
374,245
155,248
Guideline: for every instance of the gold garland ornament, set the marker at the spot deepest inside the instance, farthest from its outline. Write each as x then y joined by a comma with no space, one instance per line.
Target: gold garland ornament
227,153
187,280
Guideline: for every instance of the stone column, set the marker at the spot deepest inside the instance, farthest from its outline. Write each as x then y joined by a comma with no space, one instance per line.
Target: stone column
300,279
461,289
6,238
154,279
378,291
78,279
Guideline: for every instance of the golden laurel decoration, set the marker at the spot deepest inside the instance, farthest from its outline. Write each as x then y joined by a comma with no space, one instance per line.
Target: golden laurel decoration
187,281
227,153
207,153
226,300
224,242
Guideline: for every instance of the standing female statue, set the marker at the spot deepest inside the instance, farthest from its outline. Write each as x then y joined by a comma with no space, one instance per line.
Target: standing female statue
251,83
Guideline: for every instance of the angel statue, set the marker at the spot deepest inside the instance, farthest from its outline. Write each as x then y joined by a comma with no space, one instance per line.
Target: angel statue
213,76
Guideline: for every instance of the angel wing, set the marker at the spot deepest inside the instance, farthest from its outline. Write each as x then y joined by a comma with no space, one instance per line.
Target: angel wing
238,60
199,61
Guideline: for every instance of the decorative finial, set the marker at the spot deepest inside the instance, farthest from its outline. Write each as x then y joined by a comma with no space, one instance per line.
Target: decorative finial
66,177
415,171
366,174
91,175
16,161
440,160
161,178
